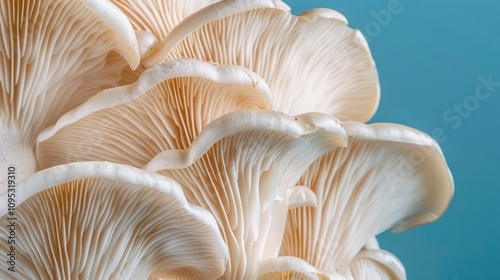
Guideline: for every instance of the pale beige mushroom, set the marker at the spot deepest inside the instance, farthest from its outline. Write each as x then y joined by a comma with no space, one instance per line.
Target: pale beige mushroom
165,109
312,62
188,115
54,55
390,176
240,167
99,220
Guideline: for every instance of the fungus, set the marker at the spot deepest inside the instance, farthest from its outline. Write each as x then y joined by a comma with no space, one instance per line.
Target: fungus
227,157
389,176
107,221
53,56
243,178
239,101
312,62
165,109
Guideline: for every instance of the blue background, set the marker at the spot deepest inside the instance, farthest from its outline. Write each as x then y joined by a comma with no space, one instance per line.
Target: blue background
430,56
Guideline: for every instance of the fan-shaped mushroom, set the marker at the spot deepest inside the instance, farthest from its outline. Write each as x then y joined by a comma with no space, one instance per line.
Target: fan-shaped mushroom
283,268
390,176
108,221
207,126
165,109
240,168
312,62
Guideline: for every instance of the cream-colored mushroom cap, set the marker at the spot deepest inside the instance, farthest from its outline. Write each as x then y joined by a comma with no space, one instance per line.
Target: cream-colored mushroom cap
241,168
107,221
389,176
165,109
312,62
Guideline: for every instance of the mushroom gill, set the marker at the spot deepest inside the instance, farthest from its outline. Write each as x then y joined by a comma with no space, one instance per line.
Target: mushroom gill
389,176
254,112
99,220
312,62
54,55
165,109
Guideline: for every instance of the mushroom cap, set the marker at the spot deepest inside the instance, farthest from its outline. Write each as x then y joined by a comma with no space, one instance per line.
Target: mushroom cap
99,220
165,109
283,268
389,176
312,62
240,167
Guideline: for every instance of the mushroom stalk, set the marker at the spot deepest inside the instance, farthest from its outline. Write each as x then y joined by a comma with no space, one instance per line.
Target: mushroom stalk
17,157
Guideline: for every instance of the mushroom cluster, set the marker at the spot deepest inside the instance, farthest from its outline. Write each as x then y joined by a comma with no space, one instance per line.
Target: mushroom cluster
200,139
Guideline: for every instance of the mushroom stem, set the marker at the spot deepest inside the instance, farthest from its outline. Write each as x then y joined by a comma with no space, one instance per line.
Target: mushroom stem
17,157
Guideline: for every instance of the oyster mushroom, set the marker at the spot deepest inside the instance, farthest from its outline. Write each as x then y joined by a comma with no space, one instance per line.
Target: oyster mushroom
204,126
165,109
108,221
390,176
240,168
53,56
369,263
312,62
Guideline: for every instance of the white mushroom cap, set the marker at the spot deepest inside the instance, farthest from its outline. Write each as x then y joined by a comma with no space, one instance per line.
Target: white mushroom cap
107,221
312,62
165,109
390,176
240,167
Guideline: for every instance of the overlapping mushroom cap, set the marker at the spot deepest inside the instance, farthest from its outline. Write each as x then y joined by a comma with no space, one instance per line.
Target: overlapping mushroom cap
312,62
239,102
389,176
107,221
165,109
